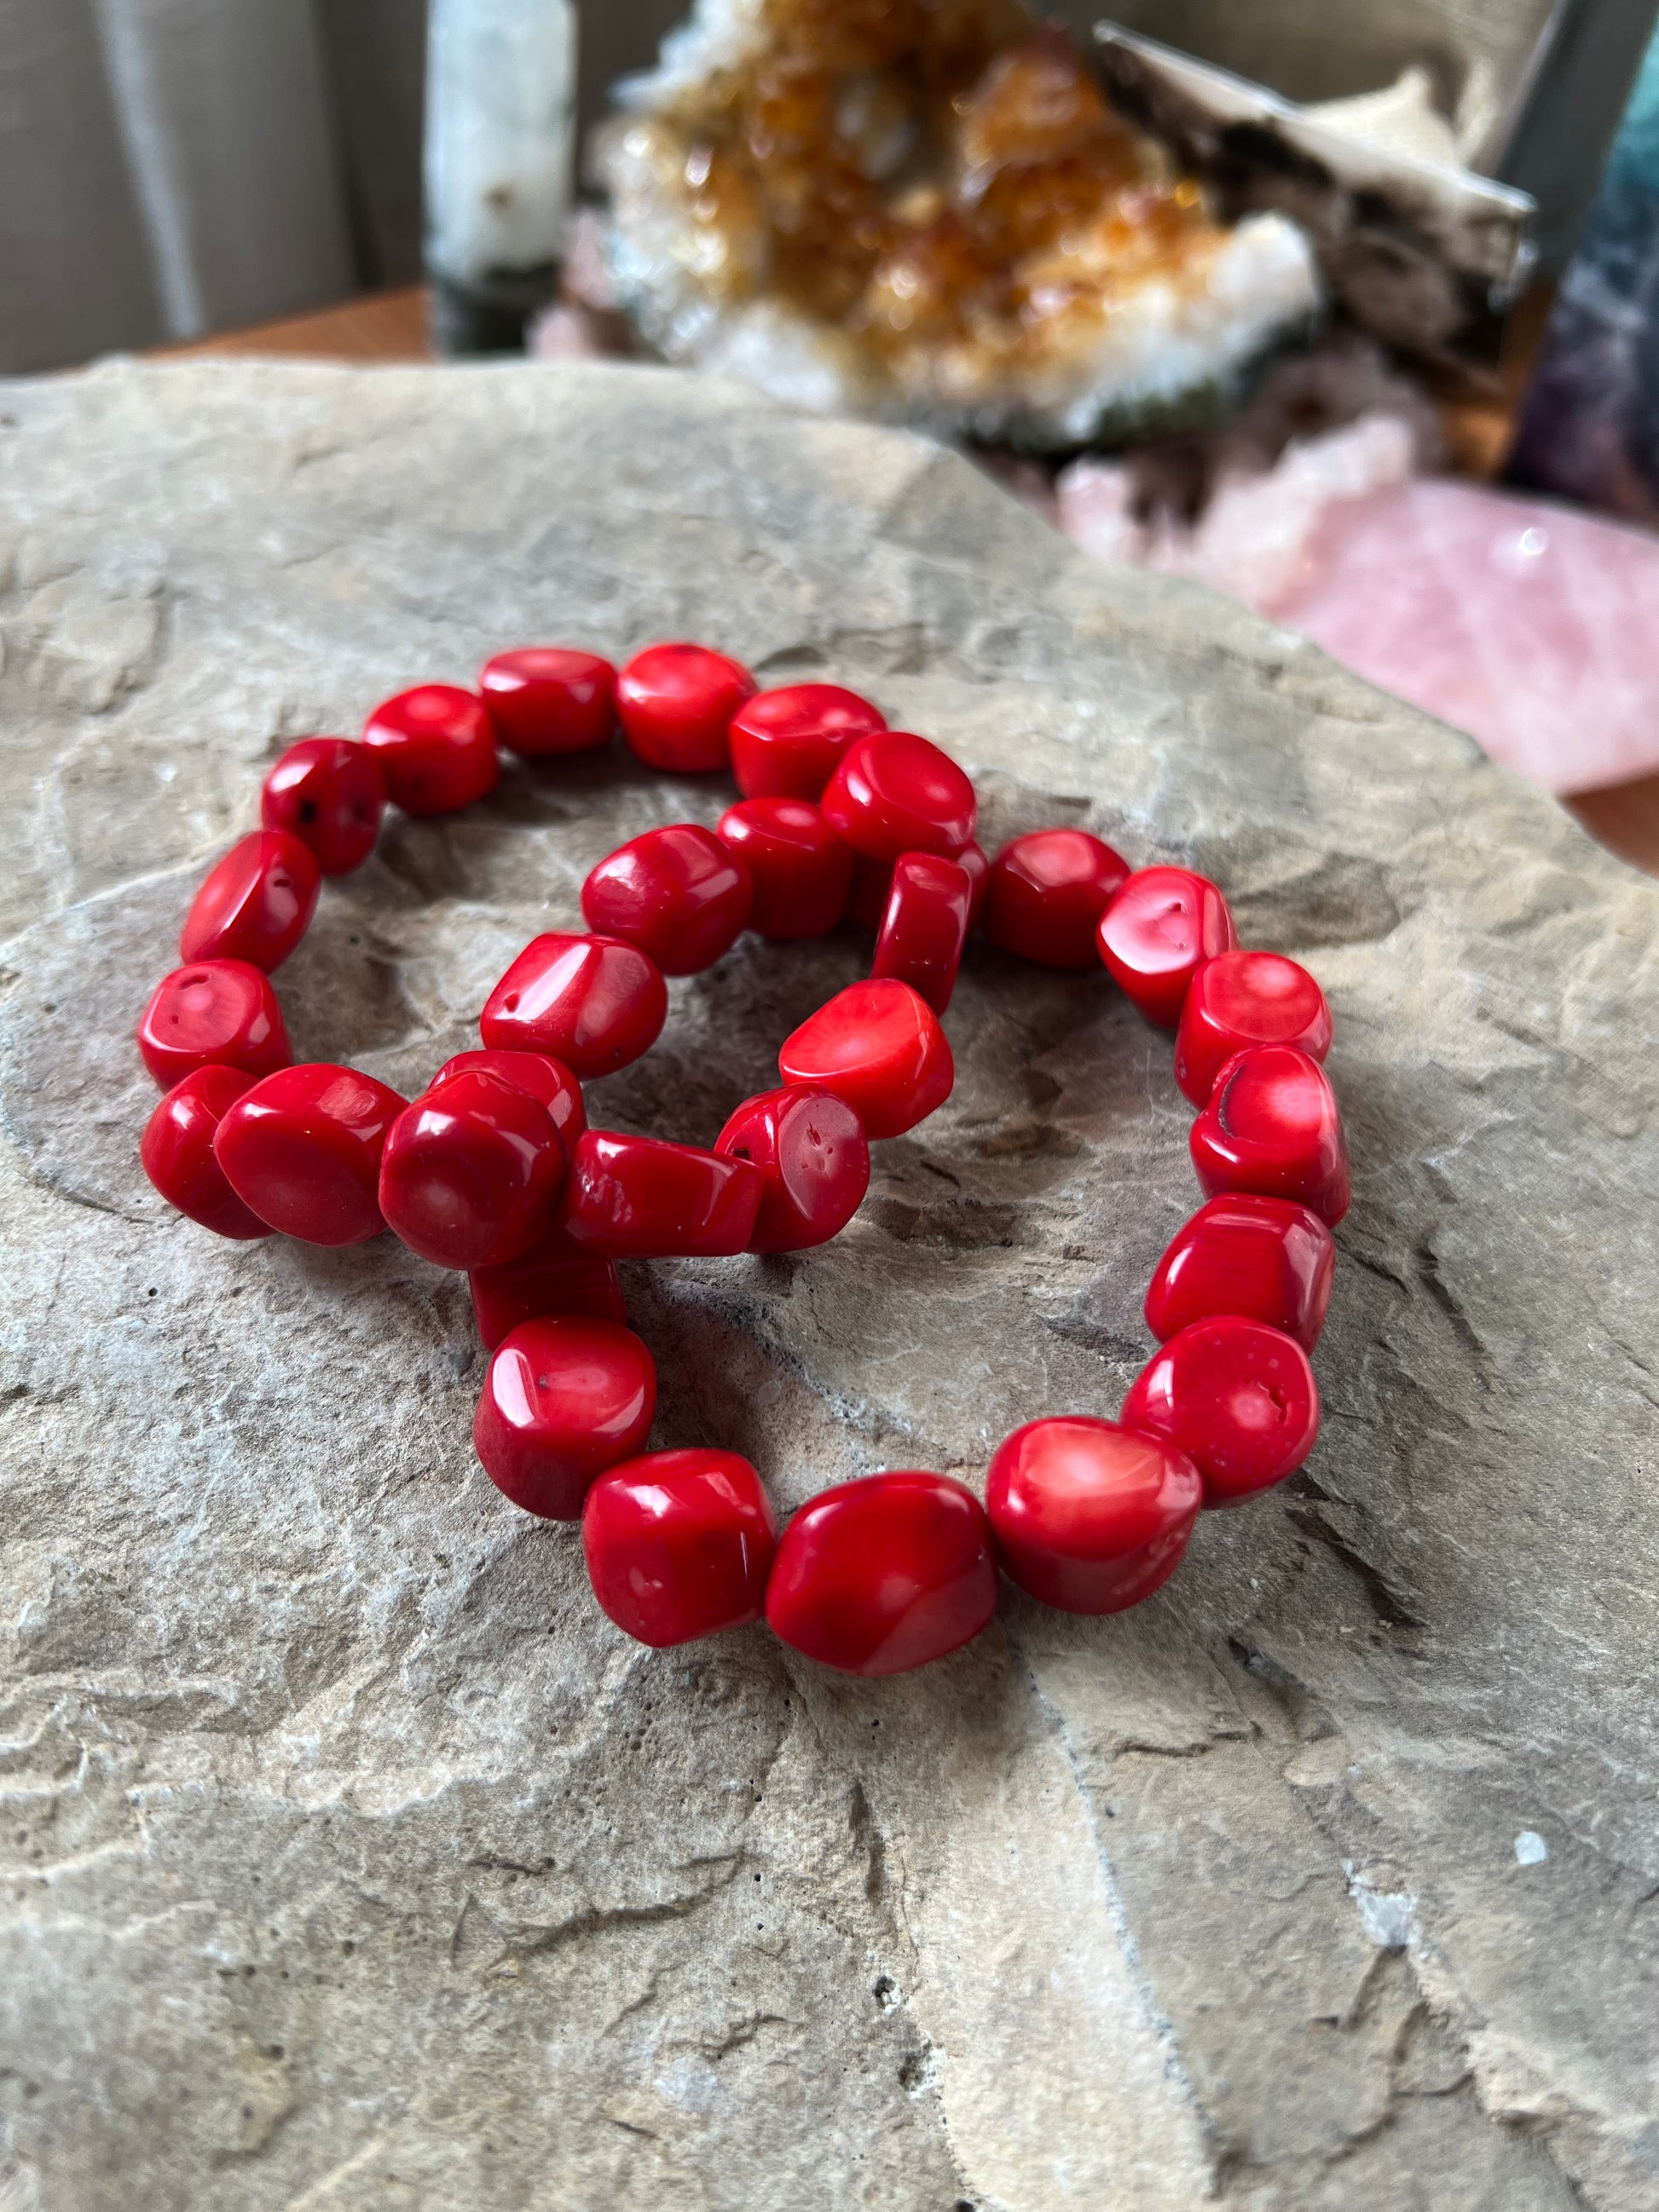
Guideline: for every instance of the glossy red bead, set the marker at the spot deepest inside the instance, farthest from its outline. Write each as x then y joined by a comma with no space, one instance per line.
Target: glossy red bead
676,702
1088,1516
1244,999
800,868
1158,932
926,926
638,1198
973,858
896,793
556,1276
1237,1397
177,1152
592,1002
877,1045
882,1575
787,743
471,1171
679,894
564,1397
302,1149
214,1013
1272,1126
330,793
814,1161
436,746
680,1544
256,903
545,699
1265,1259
1048,892
538,1072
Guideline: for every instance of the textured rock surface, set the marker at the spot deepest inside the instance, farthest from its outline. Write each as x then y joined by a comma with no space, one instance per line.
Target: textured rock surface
348,1858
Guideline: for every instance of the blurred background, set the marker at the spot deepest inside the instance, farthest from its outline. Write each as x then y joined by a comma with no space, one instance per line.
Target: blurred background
1451,482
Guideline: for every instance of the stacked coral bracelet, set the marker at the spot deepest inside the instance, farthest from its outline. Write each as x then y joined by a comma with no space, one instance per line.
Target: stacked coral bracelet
493,1168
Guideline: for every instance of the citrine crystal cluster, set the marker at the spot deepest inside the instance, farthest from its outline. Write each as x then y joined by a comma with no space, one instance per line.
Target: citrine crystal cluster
926,211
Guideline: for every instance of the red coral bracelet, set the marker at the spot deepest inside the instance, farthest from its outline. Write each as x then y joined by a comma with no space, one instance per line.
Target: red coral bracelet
493,1168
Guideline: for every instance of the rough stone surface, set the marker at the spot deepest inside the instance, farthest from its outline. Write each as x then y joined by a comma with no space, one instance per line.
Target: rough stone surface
348,1858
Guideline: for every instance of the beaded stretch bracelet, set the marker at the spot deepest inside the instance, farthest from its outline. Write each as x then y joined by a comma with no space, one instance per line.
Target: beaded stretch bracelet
493,1168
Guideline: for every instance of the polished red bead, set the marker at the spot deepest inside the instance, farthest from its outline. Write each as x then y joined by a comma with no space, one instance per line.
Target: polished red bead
815,1164
436,745
637,1197
879,1576
926,926
564,1397
592,1002
678,894
471,1171
1242,998
973,858
256,903
1237,1397
1265,1259
177,1152
877,1045
1090,1517
1048,892
787,743
330,794
303,1148
538,1072
1272,1126
680,1544
677,702
800,870
546,699
895,793
214,1013
1158,932
872,885
554,1277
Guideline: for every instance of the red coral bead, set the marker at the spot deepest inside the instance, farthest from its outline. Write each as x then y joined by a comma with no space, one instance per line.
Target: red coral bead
1090,1517
471,1171
1272,1125
303,1148
592,1002
545,699
554,1277
882,1575
564,1397
538,1072
800,869
680,1544
677,893
972,857
787,743
256,903
177,1152
1158,932
877,1045
677,702
436,745
895,793
1265,1259
637,1197
215,1013
330,794
926,926
1048,892
814,1162
1237,1397
1242,998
